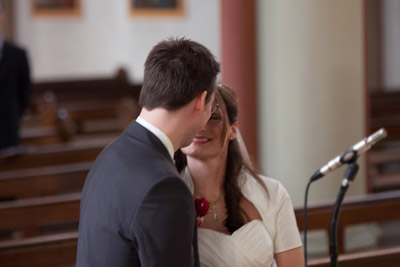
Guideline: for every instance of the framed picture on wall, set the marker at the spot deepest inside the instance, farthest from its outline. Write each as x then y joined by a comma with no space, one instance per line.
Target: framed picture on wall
8,19
52,8
146,8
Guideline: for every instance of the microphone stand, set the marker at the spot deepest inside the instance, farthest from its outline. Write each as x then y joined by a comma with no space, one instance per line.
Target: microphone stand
348,157
349,176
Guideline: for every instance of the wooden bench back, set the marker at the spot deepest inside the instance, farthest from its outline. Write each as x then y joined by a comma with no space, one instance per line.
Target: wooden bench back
53,250
37,156
38,216
377,207
43,181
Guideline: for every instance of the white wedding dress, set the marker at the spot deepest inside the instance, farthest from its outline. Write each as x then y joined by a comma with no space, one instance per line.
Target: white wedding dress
248,246
255,243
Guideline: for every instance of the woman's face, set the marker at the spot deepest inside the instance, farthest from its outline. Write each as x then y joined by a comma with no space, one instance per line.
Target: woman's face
212,140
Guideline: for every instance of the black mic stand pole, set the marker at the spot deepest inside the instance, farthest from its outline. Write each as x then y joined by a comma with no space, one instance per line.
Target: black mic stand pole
349,176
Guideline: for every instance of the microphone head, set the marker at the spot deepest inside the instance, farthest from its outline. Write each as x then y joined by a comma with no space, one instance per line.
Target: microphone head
350,154
376,136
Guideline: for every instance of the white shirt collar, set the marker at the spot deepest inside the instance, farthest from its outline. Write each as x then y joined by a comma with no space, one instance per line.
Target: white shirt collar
187,178
160,134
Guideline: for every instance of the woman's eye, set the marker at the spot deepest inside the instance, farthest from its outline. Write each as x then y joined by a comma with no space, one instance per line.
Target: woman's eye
215,117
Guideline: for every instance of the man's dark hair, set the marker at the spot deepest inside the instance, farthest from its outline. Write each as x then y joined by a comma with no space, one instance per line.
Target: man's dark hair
175,72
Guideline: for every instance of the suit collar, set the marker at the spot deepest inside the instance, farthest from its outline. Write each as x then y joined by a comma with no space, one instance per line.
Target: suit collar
160,134
139,132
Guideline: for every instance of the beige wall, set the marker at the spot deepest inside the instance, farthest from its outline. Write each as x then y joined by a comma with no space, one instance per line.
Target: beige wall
311,91
310,71
105,37
391,44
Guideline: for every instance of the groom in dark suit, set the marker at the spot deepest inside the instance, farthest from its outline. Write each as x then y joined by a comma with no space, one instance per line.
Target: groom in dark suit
15,87
135,209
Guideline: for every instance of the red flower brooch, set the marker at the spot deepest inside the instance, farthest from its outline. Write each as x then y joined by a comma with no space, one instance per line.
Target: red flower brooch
202,207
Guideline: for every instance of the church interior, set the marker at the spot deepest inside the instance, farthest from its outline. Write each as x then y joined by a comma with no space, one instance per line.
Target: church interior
312,78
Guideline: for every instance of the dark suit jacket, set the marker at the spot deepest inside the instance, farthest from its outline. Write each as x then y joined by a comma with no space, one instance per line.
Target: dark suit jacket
135,209
14,92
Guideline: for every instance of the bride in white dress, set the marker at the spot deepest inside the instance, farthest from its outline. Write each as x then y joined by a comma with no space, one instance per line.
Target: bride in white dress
249,218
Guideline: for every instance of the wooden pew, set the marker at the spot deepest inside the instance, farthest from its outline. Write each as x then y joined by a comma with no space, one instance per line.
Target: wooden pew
43,181
62,127
52,250
384,156
377,207
383,171
89,89
385,112
388,257
50,125
71,152
40,135
37,216
390,122
61,109
90,99
122,110
61,250
68,118
62,123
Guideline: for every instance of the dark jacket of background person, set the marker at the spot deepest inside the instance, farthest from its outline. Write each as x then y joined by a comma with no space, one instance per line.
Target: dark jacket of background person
15,87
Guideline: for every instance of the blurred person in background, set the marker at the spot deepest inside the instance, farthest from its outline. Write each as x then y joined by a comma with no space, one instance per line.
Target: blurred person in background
15,87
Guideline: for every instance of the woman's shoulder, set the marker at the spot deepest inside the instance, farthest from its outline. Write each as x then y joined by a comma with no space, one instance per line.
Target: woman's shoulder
274,188
270,183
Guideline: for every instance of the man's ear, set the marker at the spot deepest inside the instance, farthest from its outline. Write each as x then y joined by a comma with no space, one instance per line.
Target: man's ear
200,101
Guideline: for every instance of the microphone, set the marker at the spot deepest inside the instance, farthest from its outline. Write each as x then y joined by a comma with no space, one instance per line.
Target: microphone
350,154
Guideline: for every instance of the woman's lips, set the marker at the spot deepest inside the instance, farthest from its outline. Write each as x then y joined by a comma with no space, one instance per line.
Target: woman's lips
200,140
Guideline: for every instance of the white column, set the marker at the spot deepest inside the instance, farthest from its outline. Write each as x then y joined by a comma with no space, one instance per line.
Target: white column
311,88
391,44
